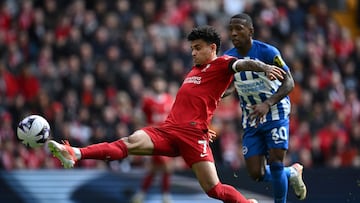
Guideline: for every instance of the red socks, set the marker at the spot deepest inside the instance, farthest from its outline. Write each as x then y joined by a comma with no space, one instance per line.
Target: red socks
149,179
226,193
166,183
105,151
147,182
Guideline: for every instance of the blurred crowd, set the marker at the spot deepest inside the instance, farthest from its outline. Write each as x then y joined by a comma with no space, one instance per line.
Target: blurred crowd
85,65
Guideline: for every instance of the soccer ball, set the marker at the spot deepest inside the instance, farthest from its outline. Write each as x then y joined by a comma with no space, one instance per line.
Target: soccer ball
33,131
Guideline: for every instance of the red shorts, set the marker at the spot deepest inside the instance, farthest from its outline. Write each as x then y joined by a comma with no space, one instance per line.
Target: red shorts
191,144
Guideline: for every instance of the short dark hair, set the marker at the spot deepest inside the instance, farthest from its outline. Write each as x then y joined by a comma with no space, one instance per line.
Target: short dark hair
244,16
206,33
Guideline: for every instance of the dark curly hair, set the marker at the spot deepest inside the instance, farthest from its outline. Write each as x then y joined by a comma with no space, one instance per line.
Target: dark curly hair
206,33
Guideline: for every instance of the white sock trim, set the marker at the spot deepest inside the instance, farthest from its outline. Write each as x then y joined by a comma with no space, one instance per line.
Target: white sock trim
77,153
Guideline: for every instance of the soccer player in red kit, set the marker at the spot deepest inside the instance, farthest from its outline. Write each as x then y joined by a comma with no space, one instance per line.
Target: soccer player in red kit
156,106
185,131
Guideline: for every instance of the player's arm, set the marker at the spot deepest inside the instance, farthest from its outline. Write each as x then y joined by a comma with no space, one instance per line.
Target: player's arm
271,71
260,110
230,90
287,84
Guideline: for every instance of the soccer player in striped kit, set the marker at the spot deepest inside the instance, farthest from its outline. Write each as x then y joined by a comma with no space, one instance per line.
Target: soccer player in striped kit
265,112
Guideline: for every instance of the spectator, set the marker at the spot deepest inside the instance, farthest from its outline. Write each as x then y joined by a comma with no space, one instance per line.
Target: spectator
9,86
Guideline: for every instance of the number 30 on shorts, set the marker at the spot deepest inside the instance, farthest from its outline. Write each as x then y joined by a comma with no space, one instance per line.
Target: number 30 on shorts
279,135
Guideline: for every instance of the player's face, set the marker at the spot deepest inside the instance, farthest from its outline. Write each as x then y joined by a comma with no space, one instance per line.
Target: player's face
202,52
240,32
159,85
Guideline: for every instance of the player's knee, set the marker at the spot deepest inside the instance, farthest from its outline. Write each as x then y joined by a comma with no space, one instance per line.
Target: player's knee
136,138
276,155
139,143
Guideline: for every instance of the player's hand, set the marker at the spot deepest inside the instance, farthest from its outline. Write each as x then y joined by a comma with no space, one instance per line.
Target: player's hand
212,135
275,73
258,112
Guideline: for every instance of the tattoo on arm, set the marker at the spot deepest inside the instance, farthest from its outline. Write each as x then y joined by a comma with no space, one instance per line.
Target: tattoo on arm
286,86
249,65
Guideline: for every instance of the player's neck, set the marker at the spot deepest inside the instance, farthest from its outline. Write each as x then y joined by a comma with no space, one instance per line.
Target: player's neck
244,50
212,58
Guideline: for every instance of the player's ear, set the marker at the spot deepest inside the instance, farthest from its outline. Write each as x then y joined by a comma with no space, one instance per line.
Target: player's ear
251,31
213,46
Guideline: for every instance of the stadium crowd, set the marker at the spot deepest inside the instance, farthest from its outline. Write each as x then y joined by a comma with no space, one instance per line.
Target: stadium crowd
85,65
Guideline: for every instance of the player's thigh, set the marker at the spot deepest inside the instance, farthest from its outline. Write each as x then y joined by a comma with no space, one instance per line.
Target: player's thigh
255,166
255,151
139,143
205,172
254,143
194,147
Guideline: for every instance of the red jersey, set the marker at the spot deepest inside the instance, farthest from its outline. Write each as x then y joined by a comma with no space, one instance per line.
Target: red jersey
157,107
200,93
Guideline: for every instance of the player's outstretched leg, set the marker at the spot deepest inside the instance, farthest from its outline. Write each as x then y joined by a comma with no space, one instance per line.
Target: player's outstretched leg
68,155
297,182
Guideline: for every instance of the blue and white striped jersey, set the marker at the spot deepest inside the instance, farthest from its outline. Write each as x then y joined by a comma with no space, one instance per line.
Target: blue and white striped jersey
255,87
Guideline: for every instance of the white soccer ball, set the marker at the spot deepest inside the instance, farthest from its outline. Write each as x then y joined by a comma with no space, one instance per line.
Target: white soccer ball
33,131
